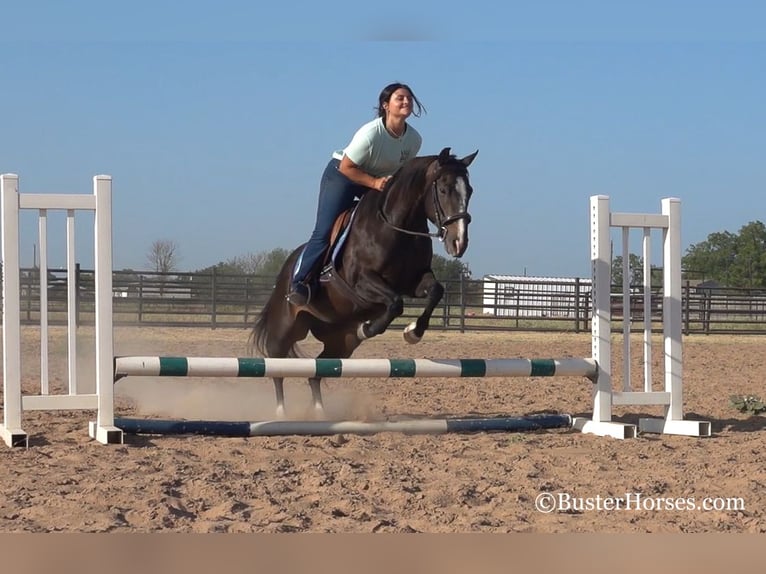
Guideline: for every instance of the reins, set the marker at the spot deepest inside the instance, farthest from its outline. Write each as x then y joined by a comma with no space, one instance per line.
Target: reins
385,220
442,221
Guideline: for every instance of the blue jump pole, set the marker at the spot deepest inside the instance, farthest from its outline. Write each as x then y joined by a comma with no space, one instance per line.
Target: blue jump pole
321,428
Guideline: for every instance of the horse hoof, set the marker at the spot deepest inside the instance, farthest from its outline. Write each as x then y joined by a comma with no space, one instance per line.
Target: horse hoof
409,334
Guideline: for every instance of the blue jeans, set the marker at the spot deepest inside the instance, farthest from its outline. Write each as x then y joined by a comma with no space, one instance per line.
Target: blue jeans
337,193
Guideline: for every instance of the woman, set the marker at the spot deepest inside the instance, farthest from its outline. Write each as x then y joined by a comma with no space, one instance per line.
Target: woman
376,151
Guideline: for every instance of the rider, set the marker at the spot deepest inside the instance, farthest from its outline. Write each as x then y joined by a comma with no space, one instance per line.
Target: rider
376,151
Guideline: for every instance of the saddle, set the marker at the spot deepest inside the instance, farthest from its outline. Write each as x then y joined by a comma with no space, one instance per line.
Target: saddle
329,272
338,236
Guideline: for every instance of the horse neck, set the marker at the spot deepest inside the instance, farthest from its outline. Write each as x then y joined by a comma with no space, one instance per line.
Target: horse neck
404,201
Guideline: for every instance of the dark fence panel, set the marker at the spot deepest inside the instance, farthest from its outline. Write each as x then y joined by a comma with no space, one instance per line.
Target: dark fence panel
224,300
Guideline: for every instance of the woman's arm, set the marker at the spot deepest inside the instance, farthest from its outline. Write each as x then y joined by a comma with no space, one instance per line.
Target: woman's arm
357,175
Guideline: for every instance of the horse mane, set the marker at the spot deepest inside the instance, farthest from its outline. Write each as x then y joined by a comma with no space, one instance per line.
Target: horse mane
410,174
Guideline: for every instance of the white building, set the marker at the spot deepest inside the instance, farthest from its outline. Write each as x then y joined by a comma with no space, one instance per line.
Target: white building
523,296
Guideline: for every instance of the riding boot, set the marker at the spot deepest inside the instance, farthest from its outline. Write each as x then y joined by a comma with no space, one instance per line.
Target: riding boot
303,284
299,294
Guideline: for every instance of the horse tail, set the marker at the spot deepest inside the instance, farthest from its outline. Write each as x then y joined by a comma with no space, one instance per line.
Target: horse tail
260,333
274,322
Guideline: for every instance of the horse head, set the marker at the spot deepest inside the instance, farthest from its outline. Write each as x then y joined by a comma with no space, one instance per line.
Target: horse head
450,194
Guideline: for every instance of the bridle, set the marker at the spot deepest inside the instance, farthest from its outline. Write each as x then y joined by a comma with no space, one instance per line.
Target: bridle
442,220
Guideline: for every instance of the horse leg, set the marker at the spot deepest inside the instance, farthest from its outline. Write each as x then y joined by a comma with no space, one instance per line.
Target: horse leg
371,287
338,344
279,389
282,337
433,291
316,395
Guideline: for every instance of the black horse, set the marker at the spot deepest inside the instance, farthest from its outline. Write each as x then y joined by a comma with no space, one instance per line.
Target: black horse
386,255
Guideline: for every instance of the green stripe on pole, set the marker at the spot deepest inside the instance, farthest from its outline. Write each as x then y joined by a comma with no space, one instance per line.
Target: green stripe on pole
174,366
251,367
402,368
543,368
473,367
329,367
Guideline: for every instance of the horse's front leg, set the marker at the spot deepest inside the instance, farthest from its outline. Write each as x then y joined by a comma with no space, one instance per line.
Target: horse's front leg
374,289
433,291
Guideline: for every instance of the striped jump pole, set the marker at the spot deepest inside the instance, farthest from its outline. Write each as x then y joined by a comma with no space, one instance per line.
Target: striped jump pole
321,428
336,368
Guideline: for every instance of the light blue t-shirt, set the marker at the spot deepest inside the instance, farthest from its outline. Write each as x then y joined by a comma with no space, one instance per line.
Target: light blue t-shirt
379,153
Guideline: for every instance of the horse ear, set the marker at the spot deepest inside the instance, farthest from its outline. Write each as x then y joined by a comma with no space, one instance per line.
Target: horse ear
469,158
444,156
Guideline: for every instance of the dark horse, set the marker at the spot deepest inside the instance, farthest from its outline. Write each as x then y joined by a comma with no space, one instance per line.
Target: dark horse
386,255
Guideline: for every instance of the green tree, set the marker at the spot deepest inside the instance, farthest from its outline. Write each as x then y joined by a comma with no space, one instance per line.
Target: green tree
712,258
636,267
250,263
735,260
749,267
449,269
273,261
261,263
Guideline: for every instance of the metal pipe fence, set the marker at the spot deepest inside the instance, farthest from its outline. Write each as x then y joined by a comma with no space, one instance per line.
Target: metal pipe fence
219,300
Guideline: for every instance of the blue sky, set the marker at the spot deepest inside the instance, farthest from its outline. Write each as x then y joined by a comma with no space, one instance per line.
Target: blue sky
215,120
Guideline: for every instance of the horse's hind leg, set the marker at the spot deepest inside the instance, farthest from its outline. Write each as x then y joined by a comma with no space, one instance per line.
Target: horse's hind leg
338,344
281,344
316,395
433,291
279,390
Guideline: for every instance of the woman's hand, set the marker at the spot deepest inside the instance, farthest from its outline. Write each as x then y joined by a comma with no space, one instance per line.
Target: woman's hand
357,175
380,182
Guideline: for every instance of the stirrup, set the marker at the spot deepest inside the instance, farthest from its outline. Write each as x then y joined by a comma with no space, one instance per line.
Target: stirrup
299,294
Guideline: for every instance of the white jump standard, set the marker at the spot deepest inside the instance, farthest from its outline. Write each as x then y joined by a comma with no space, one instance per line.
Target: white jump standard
100,204
597,369
602,220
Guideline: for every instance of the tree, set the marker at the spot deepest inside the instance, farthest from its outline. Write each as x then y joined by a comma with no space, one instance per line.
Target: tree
273,261
248,264
735,260
712,258
749,268
449,269
636,269
163,256
261,263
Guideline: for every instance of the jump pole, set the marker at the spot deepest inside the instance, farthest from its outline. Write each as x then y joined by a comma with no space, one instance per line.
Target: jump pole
336,368
344,368
321,428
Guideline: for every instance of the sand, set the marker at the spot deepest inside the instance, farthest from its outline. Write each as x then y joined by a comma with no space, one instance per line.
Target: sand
486,482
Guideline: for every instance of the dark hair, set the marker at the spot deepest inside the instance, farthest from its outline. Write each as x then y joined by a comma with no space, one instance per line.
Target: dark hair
385,95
